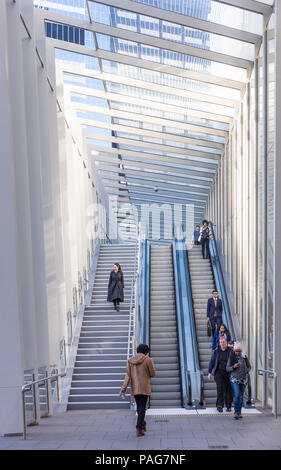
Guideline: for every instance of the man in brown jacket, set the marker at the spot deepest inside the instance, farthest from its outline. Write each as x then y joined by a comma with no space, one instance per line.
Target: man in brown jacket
140,369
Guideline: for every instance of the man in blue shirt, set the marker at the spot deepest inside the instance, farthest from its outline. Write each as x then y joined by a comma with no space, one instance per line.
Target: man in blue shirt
196,235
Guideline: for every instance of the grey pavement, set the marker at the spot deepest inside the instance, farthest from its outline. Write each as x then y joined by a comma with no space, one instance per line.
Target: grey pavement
115,429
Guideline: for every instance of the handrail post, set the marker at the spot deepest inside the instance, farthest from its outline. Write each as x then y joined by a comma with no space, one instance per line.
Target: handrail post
273,375
24,413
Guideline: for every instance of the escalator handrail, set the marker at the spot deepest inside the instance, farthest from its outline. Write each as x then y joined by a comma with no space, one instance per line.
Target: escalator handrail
219,282
144,299
192,316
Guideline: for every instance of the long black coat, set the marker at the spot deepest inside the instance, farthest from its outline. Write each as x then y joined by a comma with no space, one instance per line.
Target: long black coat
115,286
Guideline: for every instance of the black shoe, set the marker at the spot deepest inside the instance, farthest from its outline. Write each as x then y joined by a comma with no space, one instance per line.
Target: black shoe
239,415
236,416
228,409
219,408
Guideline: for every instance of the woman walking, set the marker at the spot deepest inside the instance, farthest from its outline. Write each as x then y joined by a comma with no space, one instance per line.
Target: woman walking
238,366
116,286
205,235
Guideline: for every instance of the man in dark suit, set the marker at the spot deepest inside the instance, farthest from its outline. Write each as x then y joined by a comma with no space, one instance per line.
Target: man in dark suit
214,311
217,366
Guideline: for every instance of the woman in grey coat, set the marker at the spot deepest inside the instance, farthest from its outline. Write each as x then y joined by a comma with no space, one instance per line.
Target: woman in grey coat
238,365
116,286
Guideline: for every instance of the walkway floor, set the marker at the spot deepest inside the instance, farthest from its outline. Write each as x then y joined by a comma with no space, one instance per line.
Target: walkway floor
105,430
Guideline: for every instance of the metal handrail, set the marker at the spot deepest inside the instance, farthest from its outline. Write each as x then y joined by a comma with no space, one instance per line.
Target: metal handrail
31,385
189,387
273,375
132,309
219,281
201,402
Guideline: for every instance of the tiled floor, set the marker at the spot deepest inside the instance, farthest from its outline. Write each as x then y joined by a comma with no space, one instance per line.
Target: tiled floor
105,430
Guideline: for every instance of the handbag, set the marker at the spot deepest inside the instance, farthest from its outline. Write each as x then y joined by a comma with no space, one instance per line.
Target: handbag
209,328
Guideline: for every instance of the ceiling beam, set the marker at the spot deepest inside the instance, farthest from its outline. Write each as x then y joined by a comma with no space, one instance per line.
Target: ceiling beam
152,41
151,146
145,103
161,190
154,66
183,20
169,187
80,70
197,129
147,133
161,166
160,197
153,176
148,200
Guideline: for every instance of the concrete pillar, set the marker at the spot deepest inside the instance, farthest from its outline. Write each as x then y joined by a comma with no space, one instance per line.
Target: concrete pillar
11,340
277,230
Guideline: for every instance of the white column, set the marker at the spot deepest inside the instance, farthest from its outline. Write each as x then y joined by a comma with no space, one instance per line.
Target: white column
277,231
11,341
31,94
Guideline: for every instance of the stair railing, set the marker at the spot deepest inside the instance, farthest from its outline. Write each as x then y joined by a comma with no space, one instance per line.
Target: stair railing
134,301
36,384
134,304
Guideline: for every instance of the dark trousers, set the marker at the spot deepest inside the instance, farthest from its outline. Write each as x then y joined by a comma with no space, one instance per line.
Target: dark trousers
141,401
116,302
224,390
215,323
205,248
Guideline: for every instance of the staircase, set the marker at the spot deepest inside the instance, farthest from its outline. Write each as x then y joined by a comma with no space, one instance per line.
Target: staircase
202,285
100,365
166,386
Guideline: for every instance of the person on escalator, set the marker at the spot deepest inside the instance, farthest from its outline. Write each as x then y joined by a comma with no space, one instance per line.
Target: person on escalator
140,369
217,367
223,331
214,311
205,235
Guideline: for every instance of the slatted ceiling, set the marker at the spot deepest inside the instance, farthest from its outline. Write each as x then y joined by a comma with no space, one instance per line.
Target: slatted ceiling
159,93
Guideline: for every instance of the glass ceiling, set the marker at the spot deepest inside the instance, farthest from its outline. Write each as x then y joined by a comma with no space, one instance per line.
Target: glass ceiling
155,94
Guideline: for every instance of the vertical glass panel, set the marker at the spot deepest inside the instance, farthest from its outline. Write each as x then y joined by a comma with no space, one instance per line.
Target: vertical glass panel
43,399
69,327
270,200
260,226
62,356
29,398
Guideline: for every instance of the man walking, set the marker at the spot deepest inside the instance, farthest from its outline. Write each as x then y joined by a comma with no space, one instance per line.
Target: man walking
140,369
214,311
217,366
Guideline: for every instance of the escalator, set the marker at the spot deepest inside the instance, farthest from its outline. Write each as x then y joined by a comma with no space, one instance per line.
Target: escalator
202,285
205,276
166,387
167,325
